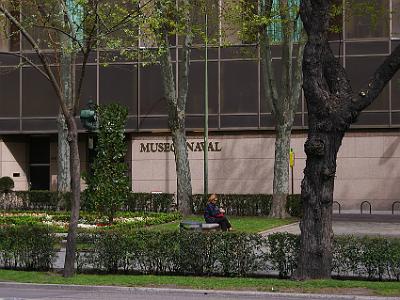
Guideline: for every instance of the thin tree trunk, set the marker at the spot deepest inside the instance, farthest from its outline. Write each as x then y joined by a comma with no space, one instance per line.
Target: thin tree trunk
69,264
283,101
66,84
281,171
64,174
184,186
177,110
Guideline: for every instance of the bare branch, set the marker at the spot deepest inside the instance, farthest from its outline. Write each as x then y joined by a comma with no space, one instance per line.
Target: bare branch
184,64
27,60
297,71
381,77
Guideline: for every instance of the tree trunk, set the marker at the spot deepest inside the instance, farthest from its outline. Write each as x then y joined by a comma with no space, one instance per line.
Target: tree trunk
69,264
332,107
281,171
177,109
66,84
184,186
283,101
64,174
315,259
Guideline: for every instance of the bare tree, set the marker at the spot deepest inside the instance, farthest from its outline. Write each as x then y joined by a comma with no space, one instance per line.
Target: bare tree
168,19
76,37
332,107
283,100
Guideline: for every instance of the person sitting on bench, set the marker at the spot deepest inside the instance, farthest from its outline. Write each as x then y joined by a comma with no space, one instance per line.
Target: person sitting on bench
214,214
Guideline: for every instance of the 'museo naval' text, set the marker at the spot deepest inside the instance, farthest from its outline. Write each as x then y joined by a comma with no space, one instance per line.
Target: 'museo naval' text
169,147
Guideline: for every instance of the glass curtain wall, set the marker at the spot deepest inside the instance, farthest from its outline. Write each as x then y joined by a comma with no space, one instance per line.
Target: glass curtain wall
362,42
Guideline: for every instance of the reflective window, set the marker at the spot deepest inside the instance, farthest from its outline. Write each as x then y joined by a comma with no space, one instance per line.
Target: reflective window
195,101
89,85
395,16
152,101
38,95
359,71
367,19
239,87
9,92
118,83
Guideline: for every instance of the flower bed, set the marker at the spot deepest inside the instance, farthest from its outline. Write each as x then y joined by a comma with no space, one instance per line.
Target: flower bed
60,220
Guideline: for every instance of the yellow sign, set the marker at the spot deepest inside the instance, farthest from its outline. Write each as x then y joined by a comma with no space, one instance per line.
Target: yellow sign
291,158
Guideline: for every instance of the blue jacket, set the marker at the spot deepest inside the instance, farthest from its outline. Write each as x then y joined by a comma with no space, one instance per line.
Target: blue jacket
211,211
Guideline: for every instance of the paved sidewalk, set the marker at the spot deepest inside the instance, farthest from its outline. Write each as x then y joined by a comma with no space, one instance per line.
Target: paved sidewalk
375,225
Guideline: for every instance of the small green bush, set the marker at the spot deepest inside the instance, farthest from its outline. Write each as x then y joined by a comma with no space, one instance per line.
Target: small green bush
6,184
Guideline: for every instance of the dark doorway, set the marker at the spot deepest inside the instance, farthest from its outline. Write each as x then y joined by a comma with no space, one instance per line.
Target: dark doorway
39,163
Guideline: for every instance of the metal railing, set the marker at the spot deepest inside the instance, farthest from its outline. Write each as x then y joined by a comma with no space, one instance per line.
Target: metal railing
362,204
339,206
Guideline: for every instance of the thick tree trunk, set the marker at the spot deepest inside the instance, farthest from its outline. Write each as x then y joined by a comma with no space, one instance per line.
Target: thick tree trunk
315,259
332,107
281,171
69,264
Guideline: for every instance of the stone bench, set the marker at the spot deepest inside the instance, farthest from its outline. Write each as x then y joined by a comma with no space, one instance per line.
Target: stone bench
198,226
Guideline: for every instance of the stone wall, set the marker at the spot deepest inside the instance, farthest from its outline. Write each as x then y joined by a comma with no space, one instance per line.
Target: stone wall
368,166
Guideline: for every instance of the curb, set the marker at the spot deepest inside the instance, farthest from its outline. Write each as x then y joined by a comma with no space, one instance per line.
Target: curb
272,230
223,293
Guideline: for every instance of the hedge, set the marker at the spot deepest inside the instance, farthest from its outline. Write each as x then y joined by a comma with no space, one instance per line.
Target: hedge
233,254
196,253
30,247
234,204
247,204
46,200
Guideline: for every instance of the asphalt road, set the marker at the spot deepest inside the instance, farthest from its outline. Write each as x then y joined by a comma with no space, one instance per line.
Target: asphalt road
11,291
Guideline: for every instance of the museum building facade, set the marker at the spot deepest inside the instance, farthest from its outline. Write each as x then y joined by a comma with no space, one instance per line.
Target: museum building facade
241,125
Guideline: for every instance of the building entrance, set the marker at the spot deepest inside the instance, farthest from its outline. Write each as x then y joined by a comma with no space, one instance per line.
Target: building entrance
39,163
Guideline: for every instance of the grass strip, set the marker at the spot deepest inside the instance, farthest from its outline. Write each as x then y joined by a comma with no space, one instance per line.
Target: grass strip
215,283
243,224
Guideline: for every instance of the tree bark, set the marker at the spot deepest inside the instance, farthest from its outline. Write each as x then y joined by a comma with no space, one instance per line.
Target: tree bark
332,107
66,84
64,174
281,171
69,264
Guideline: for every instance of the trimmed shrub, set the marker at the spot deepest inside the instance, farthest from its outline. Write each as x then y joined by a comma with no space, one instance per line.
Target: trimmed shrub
282,255
27,247
160,202
294,205
40,200
6,184
237,204
185,252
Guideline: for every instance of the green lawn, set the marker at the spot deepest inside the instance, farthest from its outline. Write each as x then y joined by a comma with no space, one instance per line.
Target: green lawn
217,283
245,224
